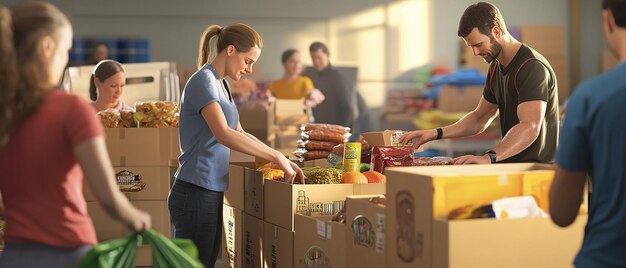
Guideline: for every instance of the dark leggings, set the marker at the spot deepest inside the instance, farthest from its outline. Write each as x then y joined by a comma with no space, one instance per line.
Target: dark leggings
197,215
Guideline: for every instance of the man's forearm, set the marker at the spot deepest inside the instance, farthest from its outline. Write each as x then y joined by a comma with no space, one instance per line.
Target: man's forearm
516,140
468,125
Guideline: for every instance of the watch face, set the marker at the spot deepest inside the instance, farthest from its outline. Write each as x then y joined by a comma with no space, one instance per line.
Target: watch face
493,157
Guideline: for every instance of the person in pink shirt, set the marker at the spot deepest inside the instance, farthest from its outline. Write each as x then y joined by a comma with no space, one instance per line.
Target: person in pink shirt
49,142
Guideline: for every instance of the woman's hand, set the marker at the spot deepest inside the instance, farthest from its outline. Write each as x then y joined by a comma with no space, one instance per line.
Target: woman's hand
140,222
292,171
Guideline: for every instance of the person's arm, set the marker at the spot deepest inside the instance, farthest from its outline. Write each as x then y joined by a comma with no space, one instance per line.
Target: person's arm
566,195
94,160
240,141
472,123
519,137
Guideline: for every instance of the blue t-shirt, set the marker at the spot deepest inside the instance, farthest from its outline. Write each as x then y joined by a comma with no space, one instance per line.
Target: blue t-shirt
204,161
593,139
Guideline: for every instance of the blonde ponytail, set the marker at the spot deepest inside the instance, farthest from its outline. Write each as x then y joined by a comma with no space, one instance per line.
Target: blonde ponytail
239,35
206,46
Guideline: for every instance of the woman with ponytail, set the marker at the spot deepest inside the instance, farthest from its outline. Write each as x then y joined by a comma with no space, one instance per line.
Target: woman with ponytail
209,129
107,86
48,139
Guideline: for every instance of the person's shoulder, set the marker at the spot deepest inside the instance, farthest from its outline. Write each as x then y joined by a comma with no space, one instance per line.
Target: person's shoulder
62,97
202,76
305,79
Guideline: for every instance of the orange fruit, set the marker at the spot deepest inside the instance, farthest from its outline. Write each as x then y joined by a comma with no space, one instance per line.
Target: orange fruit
375,177
353,177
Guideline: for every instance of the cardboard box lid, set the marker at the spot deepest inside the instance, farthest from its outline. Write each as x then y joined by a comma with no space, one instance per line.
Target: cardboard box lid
455,170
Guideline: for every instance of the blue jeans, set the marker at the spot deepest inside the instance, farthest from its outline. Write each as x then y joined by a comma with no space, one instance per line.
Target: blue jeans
197,215
39,255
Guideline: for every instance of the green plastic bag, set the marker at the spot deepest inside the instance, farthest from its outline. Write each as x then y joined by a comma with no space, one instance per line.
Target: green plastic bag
173,253
118,253
121,253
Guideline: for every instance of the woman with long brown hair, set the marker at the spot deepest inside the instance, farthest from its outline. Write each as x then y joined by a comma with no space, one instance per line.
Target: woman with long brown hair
209,128
48,139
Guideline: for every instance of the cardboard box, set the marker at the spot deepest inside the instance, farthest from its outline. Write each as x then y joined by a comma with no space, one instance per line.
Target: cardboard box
514,243
288,137
365,222
561,70
139,146
252,241
174,146
282,201
238,157
290,107
546,39
107,228
160,221
234,196
315,163
277,247
456,98
232,238
384,138
253,191
419,238
157,181
291,120
380,138
319,242
259,123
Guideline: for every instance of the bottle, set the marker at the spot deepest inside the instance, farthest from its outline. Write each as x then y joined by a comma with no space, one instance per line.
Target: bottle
352,157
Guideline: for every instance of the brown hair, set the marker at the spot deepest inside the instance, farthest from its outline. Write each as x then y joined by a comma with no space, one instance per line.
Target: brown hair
315,46
483,16
241,36
618,8
24,80
103,70
287,54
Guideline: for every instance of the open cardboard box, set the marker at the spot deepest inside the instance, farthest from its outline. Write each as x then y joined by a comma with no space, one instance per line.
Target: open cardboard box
416,235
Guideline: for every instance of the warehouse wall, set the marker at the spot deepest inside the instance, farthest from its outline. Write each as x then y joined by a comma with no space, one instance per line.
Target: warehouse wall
386,39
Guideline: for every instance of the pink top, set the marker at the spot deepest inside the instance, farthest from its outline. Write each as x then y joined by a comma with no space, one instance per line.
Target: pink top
41,181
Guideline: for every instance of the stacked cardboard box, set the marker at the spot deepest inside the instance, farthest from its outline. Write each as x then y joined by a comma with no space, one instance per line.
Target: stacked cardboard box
549,41
267,211
290,114
260,123
400,107
148,153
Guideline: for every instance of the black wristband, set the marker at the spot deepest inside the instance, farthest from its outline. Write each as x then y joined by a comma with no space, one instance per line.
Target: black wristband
492,156
439,133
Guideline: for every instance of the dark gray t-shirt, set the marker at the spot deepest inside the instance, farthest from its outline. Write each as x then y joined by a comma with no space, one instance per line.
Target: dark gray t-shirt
528,77
339,107
204,161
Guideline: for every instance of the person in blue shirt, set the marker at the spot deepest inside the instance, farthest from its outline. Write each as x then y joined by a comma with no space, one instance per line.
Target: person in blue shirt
209,129
593,144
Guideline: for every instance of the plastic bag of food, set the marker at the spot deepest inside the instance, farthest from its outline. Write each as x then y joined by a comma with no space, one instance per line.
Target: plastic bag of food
311,145
391,156
305,155
325,127
321,135
127,119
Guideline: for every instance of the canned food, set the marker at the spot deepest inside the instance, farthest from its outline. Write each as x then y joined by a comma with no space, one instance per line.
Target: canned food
352,156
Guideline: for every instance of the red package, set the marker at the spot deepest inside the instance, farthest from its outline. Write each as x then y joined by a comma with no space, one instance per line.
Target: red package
391,156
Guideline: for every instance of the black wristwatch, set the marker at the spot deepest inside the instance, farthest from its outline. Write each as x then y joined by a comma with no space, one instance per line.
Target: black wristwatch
492,155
